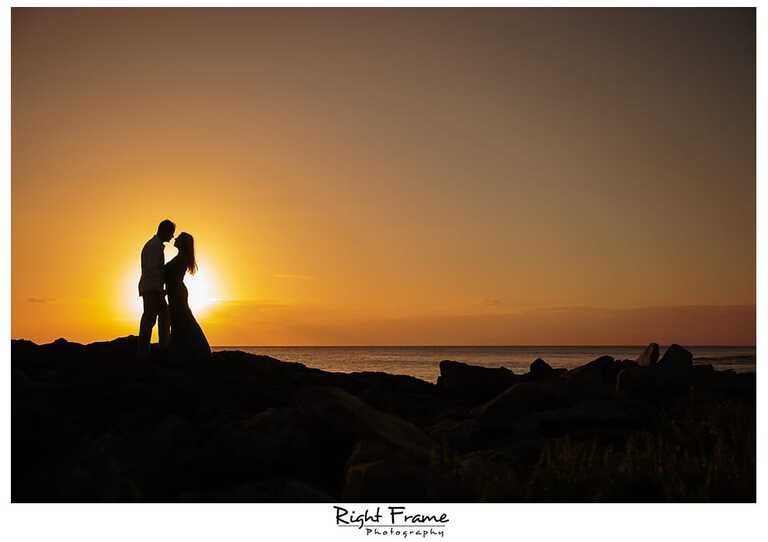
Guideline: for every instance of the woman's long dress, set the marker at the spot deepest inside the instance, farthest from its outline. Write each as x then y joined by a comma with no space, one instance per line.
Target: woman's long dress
188,341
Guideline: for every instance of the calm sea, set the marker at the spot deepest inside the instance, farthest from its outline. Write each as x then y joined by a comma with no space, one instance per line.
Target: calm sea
422,361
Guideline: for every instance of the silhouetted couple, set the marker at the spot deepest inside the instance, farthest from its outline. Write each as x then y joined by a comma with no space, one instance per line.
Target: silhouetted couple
178,330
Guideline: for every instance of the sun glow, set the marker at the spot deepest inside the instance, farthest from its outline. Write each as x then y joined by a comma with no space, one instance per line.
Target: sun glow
203,291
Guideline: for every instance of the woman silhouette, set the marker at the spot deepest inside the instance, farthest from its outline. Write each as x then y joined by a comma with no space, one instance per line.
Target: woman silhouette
188,341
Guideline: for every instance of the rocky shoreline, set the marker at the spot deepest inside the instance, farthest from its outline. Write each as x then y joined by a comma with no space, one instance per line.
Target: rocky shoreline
90,423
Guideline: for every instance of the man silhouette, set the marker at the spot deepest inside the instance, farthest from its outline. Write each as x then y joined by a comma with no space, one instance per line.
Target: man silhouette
151,289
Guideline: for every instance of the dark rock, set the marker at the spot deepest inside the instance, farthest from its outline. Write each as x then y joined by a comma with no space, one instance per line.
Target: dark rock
274,443
596,378
540,369
373,449
342,412
63,349
456,434
625,363
676,357
728,384
19,379
674,370
89,423
171,435
612,373
376,470
701,373
278,438
636,382
122,348
523,452
463,380
595,415
594,368
23,351
488,476
649,356
93,472
389,479
520,400
416,401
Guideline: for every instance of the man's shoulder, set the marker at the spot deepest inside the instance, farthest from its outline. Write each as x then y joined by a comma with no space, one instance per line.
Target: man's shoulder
154,241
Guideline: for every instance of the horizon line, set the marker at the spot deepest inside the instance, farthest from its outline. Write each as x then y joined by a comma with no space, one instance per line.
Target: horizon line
643,345
480,345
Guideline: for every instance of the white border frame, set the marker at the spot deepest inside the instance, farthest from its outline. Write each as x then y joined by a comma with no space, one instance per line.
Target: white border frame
250,522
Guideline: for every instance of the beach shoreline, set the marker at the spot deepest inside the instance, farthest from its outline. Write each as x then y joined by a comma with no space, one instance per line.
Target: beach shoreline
423,361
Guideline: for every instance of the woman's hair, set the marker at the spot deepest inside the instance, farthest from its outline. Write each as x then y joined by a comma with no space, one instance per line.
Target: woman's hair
186,245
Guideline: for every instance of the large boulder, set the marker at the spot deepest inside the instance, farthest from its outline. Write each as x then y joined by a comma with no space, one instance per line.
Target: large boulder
376,470
520,400
276,443
636,382
273,442
456,434
674,370
420,403
599,416
541,370
595,379
649,356
676,357
343,413
472,381
120,348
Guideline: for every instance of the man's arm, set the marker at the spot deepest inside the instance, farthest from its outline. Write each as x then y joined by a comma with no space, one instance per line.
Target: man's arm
159,270
160,256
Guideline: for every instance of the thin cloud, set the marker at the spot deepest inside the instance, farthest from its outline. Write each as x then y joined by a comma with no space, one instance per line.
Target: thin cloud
294,277
253,303
40,300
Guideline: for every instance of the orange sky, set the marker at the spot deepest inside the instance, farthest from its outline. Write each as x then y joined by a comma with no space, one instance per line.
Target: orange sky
390,176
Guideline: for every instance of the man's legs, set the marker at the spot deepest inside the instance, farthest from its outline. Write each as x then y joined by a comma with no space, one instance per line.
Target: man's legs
151,310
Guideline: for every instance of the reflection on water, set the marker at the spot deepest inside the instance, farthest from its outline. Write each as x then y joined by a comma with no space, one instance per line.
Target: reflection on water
422,361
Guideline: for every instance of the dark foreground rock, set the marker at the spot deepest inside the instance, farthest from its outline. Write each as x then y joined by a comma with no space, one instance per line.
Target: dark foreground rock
649,356
470,381
90,423
541,370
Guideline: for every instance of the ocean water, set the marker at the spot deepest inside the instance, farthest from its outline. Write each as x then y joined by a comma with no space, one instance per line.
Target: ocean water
422,361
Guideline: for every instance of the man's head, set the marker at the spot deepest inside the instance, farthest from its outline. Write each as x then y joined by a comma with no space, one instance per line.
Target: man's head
165,230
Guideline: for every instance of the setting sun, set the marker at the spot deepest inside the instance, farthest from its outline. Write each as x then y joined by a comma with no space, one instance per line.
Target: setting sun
203,288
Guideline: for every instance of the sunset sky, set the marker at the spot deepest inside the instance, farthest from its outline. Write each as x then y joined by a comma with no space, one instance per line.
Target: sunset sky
386,177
